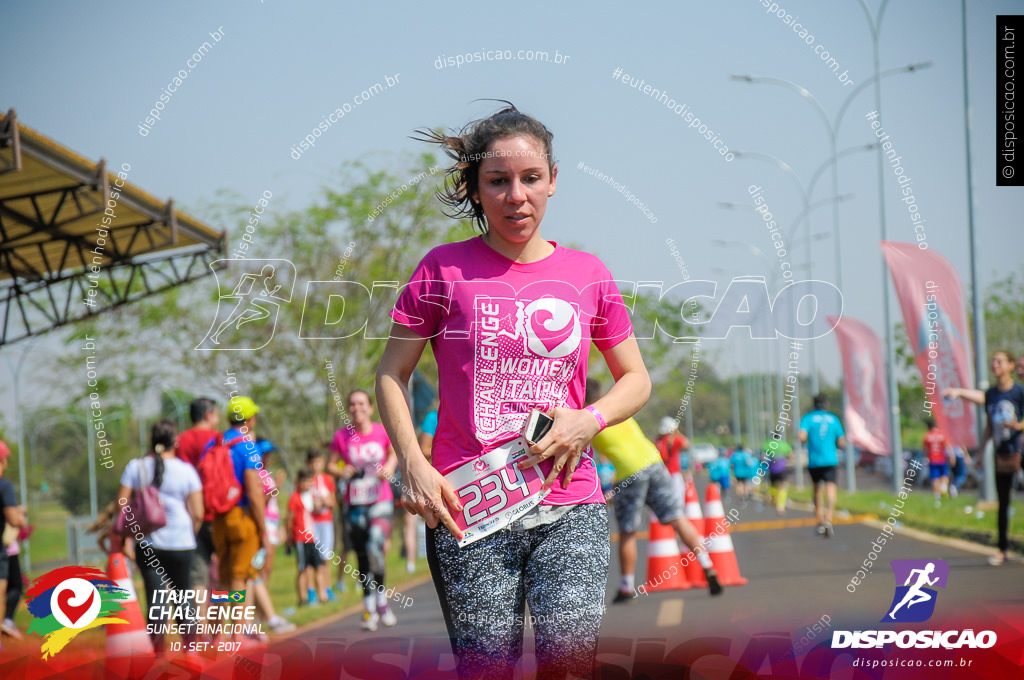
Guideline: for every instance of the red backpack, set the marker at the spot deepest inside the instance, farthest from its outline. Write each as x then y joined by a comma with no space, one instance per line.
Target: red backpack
221,490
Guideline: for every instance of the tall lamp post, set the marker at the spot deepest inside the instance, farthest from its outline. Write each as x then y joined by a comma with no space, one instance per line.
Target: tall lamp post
833,131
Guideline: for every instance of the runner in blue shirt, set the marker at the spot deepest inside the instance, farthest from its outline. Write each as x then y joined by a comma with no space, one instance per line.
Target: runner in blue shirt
822,432
744,467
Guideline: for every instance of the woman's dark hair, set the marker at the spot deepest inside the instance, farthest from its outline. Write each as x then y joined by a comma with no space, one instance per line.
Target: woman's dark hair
198,409
161,438
312,453
468,148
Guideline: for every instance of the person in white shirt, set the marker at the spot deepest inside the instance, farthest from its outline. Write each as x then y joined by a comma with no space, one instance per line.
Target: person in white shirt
165,555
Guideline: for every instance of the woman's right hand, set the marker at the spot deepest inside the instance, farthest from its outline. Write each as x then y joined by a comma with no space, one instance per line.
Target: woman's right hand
427,493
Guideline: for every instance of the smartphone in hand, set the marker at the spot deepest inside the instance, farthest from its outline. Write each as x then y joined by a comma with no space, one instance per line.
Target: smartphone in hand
537,425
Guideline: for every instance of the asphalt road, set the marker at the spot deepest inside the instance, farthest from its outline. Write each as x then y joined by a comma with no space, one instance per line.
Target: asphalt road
796,579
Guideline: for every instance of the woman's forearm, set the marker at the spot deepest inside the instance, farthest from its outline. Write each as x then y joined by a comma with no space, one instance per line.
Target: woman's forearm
393,400
625,398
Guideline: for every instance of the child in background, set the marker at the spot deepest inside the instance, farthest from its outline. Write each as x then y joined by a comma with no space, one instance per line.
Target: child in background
300,530
323,521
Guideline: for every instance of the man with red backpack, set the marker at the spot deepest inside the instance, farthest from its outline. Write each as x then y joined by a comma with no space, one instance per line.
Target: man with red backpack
239,529
191,444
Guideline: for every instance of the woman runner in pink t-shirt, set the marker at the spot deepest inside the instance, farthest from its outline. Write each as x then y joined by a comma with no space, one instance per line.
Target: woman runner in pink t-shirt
510,318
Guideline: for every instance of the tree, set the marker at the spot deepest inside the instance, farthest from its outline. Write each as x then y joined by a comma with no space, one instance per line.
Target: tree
368,226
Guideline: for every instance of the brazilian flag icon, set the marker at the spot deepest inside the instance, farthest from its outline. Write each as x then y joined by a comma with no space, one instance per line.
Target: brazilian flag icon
237,596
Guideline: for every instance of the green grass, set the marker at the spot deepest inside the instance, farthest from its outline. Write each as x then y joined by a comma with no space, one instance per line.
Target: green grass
951,518
49,542
283,579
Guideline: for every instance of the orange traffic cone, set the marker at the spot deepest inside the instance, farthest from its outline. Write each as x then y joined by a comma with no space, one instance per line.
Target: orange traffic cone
694,572
662,555
720,549
129,639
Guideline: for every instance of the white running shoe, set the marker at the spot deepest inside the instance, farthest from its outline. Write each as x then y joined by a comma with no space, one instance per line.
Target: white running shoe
279,624
388,618
370,621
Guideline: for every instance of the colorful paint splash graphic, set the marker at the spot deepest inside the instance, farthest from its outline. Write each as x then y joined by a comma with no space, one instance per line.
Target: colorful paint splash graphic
70,600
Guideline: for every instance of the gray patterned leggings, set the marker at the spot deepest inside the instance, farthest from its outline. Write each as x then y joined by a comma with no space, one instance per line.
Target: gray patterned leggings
559,569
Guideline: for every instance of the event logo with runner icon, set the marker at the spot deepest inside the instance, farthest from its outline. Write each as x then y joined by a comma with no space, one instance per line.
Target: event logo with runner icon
914,601
251,299
69,600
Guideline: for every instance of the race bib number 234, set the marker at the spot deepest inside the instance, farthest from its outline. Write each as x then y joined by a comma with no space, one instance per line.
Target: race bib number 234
494,491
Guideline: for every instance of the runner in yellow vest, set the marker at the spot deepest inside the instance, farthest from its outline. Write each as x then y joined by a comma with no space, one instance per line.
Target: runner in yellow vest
641,478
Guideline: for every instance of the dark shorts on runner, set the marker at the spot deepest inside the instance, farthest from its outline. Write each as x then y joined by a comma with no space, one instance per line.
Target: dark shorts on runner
938,470
560,569
652,487
778,477
823,474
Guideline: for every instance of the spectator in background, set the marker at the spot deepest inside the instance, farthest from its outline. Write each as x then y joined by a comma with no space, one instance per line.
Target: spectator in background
191,444
962,460
1004,405
15,580
673,446
324,503
940,453
335,468
718,470
744,467
272,520
10,514
173,544
300,531
239,533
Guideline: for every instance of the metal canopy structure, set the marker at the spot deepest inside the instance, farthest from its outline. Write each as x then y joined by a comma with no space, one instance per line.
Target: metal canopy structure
77,239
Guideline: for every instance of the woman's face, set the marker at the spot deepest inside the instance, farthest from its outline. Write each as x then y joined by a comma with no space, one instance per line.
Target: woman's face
513,188
1001,365
359,408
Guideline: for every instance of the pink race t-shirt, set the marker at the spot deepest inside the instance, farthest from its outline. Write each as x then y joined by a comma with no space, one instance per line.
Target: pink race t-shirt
509,337
367,453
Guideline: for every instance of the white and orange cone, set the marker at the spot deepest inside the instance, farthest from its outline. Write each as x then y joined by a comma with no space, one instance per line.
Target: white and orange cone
662,554
129,639
694,572
720,549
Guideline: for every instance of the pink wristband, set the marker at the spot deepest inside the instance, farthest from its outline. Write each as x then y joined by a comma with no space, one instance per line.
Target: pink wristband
597,414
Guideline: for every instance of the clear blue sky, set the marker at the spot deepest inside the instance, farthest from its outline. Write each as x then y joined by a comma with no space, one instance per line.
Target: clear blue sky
86,75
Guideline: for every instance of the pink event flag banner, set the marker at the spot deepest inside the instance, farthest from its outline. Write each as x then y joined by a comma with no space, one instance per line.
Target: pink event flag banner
932,299
867,408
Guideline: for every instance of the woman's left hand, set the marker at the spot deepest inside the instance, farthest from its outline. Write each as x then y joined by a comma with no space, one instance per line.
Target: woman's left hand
564,443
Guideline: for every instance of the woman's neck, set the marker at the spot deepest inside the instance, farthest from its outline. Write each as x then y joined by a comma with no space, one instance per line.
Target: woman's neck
1005,382
365,428
534,250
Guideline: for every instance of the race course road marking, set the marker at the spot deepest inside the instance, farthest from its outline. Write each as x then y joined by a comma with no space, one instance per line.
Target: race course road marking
670,613
801,522
778,524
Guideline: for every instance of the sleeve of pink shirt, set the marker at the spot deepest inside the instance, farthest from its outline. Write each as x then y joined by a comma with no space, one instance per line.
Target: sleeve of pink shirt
421,303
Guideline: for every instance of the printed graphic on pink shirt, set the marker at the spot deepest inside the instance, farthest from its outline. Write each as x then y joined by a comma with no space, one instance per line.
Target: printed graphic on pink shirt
525,356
